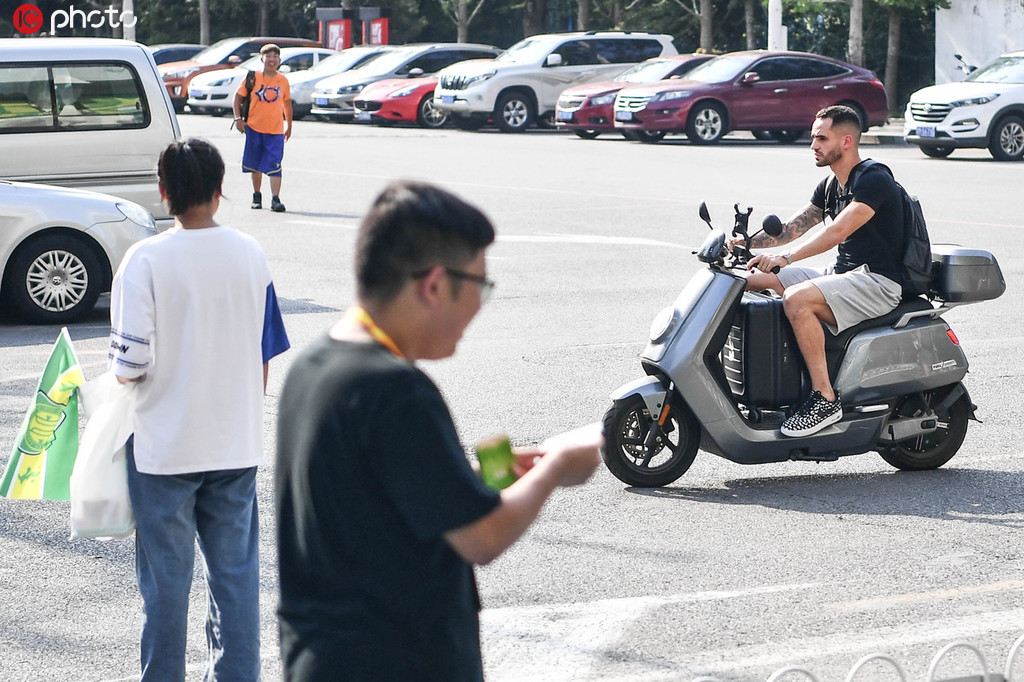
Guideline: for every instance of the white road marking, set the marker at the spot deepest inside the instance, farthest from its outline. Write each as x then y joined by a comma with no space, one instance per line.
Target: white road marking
530,642
535,642
587,239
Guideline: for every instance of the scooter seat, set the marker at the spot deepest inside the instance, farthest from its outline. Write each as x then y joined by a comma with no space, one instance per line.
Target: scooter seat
836,344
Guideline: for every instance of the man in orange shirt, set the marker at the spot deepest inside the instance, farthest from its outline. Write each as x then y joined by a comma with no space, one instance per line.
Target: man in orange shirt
268,126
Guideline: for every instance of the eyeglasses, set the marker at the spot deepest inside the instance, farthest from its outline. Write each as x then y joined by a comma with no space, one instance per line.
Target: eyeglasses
486,285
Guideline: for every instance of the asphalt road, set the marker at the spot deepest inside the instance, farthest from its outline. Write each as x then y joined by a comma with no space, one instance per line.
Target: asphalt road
732,572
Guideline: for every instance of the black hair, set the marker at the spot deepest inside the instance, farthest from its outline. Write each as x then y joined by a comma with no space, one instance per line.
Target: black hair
842,115
412,227
190,172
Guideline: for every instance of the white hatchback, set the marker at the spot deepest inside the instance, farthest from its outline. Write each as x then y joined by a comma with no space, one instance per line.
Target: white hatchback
986,110
60,247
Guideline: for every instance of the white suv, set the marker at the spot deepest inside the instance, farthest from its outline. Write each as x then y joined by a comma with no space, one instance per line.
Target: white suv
523,83
985,110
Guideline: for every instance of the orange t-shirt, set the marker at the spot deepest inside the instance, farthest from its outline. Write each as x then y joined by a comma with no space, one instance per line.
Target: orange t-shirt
266,107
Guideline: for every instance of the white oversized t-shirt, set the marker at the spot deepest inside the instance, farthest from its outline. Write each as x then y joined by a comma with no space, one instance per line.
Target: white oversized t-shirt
196,313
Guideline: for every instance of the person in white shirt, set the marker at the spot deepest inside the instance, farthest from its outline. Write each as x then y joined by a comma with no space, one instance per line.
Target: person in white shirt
195,322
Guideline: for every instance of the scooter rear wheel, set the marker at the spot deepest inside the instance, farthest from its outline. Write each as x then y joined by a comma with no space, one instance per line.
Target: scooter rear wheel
626,427
934,449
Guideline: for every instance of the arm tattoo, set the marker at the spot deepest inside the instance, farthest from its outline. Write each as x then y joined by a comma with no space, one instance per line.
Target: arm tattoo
809,216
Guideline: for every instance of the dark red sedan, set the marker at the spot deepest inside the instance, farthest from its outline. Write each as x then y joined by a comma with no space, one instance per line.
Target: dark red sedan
587,109
769,93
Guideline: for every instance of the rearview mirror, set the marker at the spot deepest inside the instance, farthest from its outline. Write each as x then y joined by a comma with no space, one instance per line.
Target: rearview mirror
554,59
750,77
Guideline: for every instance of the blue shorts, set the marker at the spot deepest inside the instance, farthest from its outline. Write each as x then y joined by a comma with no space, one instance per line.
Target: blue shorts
263,152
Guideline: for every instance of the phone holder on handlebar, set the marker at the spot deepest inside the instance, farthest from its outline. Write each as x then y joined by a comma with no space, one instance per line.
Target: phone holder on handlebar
741,253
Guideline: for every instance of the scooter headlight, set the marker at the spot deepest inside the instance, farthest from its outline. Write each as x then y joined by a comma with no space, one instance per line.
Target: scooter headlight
663,324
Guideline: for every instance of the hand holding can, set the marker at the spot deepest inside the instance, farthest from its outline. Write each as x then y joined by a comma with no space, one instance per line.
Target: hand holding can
496,462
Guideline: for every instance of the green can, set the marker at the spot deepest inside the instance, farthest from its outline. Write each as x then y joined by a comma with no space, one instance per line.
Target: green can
496,461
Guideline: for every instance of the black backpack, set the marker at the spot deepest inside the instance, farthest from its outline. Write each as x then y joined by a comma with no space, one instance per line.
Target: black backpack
250,83
917,258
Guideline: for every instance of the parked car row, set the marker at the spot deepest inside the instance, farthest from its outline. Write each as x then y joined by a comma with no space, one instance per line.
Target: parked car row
587,82
224,54
213,92
334,97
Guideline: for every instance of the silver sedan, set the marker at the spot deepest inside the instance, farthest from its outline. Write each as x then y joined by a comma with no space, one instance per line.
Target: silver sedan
60,247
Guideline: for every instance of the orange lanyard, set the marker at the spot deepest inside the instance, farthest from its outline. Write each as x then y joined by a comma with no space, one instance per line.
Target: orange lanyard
378,334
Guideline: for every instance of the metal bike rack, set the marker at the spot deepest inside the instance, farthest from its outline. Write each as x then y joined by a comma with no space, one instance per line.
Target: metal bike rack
986,677
876,657
1014,650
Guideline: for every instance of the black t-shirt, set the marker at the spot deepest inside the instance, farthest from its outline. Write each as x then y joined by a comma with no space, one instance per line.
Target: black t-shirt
880,242
370,474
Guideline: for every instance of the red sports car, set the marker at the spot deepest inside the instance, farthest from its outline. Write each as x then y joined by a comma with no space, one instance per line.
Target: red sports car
408,100
587,109
769,93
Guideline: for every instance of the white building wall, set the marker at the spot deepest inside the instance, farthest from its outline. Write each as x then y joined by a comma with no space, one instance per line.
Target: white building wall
980,30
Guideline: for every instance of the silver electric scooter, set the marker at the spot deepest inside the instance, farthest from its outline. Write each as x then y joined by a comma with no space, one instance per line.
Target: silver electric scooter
723,371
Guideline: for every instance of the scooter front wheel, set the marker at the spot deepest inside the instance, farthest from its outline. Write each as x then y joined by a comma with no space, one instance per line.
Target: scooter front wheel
627,427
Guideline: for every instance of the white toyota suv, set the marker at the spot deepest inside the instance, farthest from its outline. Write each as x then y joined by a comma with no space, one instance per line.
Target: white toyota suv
523,83
985,110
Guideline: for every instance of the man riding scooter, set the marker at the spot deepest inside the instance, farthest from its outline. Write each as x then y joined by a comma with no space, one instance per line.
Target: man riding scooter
865,281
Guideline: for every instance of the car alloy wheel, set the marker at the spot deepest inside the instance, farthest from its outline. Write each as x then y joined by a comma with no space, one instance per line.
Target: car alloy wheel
706,124
54,279
429,116
514,113
1007,143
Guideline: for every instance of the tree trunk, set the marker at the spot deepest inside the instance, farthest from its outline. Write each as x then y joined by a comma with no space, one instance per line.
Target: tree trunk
855,49
264,18
535,17
462,21
204,22
583,15
892,61
617,13
748,16
707,36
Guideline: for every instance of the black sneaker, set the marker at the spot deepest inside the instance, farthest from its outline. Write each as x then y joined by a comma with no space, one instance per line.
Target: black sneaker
276,206
815,414
257,200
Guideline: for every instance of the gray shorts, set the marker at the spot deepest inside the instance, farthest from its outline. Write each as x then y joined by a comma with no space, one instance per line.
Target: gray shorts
853,296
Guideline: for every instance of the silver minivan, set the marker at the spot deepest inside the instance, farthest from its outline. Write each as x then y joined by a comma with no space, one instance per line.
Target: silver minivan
87,113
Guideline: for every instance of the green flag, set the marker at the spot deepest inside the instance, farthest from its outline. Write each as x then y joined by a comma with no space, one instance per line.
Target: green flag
44,453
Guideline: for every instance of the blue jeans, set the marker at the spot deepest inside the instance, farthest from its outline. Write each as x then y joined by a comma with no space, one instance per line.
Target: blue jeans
171,512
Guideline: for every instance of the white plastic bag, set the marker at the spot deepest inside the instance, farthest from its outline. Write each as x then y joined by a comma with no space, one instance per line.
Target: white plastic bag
100,507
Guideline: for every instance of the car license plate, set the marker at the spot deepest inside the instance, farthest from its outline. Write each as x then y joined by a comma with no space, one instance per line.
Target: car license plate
447,99
623,115
196,92
564,115
320,101
926,131
363,116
